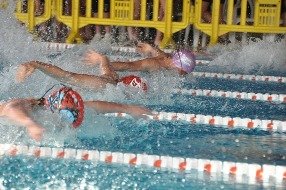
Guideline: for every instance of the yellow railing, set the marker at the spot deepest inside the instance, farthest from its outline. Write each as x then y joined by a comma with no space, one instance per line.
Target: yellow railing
266,17
4,4
122,15
28,17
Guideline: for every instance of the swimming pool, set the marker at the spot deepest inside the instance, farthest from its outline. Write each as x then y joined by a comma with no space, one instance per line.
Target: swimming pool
211,133
223,127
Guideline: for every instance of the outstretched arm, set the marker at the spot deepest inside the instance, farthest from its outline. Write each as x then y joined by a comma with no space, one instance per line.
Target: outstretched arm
149,50
148,64
157,60
27,69
111,107
18,111
80,80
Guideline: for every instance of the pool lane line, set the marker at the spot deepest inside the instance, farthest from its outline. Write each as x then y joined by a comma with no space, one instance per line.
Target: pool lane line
228,169
241,77
215,121
50,46
275,98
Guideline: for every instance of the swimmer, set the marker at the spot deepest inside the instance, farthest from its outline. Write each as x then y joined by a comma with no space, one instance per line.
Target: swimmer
65,102
108,75
182,61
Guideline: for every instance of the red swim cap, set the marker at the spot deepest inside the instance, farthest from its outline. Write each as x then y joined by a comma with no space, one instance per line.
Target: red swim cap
69,104
134,81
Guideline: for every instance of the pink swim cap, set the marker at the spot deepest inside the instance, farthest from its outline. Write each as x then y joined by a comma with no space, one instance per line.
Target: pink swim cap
184,59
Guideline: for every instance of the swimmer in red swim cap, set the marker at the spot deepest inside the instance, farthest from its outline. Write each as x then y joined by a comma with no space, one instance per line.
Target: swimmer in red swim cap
134,82
68,103
108,75
64,101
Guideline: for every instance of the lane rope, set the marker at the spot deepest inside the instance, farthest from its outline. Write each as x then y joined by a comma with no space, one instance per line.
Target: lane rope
241,77
216,121
277,98
238,170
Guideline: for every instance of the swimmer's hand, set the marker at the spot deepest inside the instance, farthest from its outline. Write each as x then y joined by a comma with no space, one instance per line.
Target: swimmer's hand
144,48
138,111
24,71
35,132
92,58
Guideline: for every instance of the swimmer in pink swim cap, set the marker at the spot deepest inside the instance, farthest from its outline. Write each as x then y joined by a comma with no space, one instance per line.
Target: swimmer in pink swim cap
182,61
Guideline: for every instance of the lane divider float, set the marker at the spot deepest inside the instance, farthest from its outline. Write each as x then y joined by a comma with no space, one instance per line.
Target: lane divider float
57,46
238,170
277,98
216,121
241,77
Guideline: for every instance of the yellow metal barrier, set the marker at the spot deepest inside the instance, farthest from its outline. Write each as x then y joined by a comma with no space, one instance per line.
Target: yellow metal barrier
3,4
122,15
267,13
28,17
266,17
122,9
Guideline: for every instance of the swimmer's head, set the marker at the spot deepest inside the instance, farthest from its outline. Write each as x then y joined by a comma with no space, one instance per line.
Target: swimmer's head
184,59
134,81
68,103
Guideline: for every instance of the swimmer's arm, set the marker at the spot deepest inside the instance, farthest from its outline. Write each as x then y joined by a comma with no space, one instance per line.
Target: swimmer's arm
127,66
111,107
76,79
17,111
150,50
148,64
52,71
26,69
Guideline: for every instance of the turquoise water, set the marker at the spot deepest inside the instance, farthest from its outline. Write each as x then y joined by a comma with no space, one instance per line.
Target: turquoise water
178,139
84,175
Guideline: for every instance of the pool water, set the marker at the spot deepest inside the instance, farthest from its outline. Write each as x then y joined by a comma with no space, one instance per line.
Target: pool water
139,136
173,138
69,174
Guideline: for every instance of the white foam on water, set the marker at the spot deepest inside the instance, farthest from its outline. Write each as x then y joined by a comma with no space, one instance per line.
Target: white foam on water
259,56
17,43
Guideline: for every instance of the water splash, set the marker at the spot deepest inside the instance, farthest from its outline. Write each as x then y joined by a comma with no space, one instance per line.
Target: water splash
17,44
254,58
